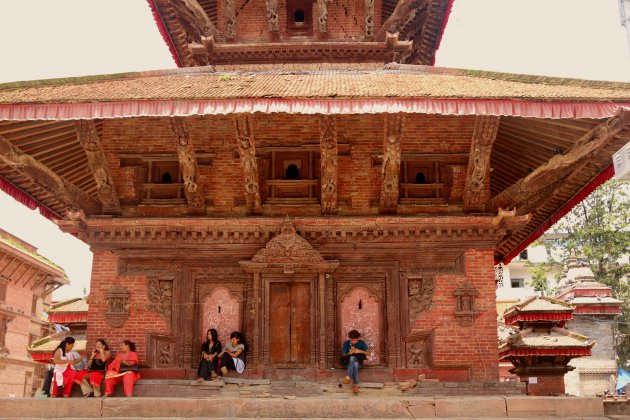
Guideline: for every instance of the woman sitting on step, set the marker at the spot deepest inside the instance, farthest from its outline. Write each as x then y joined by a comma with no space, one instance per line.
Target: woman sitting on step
63,373
90,380
354,352
233,354
210,350
123,369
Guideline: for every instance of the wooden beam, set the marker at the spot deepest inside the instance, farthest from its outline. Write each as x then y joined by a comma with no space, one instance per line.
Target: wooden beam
188,165
329,169
477,191
91,143
41,175
529,192
247,151
394,128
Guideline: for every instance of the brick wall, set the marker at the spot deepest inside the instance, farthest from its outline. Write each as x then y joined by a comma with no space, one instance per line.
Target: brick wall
546,385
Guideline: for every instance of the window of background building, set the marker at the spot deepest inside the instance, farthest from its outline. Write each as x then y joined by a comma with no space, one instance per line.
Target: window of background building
523,255
518,283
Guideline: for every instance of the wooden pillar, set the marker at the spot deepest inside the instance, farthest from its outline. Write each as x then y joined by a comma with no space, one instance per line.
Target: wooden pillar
257,317
322,320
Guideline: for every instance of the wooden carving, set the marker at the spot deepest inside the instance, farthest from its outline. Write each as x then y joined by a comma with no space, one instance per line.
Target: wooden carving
161,351
117,306
369,17
160,296
247,151
89,139
322,16
405,12
27,166
529,192
420,291
394,127
230,18
465,308
328,144
188,164
272,15
477,192
288,247
193,19
418,348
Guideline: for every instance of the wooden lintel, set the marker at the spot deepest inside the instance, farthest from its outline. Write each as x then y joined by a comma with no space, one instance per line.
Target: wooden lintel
91,143
247,151
188,165
39,174
529,192
390,170
329,167
477,191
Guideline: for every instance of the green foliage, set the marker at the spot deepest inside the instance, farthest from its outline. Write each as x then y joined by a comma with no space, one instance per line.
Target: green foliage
598,231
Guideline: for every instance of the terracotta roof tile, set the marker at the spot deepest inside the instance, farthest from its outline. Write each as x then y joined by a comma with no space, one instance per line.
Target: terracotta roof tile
555,338
50,343
72,305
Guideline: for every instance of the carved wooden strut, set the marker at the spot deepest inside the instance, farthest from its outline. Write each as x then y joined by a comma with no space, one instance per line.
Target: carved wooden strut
230,18
188,165
529,192
394,127
328,144
91,143
477,191
247,151
27,166
272,16
322,15
369,18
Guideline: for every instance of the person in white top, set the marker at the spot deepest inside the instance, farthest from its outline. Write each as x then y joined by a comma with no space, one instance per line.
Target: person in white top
64,374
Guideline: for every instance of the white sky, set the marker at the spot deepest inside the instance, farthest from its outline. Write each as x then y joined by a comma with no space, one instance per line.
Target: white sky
45,39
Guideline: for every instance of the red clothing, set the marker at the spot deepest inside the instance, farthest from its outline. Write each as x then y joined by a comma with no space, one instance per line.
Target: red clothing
128,379
68,380
95,378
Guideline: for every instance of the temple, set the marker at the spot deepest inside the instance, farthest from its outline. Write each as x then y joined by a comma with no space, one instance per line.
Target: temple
307,172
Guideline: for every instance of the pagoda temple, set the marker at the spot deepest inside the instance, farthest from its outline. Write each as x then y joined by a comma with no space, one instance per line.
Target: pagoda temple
542,349
306,172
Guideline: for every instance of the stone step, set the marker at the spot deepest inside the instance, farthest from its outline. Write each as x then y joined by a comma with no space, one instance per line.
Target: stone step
361,406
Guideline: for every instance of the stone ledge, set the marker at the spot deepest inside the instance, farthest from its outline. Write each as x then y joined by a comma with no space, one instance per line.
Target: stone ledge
554,407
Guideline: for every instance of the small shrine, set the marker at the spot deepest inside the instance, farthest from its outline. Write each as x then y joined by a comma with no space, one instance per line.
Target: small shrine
595,310
542,349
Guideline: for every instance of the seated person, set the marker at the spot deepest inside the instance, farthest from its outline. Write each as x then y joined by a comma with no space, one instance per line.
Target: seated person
210,350
91,378
63,373
354,352
233,354
123,369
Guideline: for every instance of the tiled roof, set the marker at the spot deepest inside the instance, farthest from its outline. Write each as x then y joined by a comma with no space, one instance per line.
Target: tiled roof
402,82
554,338
72,305
604,300
7,240
50,343
538,304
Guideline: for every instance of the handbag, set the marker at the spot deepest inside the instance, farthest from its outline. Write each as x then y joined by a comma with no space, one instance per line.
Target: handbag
132,368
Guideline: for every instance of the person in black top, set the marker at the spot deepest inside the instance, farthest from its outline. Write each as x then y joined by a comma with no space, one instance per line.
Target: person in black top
210,350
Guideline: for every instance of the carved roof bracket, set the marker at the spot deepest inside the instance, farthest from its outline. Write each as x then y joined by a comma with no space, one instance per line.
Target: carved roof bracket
394,127
188,165
89,139
247,151
477,191
329,166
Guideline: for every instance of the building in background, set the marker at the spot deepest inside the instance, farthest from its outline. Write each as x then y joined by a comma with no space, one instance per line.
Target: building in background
27,280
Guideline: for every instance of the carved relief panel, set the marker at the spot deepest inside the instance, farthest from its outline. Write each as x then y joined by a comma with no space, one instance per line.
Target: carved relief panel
420,291
418,347
160,296
161,351
117,306
465,304
360,310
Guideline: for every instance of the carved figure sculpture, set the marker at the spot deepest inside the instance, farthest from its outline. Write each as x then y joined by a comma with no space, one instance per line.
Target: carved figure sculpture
272,15
187,163
328,143
322,16
247,151
485,133
369,17
230,18
394,126
421,291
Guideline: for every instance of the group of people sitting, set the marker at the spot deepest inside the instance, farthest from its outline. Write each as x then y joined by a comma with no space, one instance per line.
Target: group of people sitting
69,368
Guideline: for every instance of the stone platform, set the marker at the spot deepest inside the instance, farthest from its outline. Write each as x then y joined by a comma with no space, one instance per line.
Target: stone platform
328,406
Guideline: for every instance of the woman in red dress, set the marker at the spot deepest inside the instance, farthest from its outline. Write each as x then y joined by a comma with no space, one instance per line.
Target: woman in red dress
123,369
90,380
63,374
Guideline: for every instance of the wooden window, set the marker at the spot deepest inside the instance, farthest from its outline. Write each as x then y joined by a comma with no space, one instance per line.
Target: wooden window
300,17
518,283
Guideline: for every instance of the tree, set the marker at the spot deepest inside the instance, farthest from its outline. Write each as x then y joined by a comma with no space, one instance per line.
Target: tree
598,231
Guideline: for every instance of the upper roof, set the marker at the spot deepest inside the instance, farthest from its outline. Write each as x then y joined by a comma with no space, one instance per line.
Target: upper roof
71,305
27,249
555,338
539,305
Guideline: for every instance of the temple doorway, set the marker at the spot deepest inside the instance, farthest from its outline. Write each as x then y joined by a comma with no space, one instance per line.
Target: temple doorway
290,322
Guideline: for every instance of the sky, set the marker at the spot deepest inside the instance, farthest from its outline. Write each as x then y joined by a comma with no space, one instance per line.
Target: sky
41,39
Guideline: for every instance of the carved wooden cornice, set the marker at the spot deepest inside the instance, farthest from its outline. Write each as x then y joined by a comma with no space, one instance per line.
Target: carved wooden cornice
188,165
528,193
247,151
329,166
477,191
394,127
89,139
48,180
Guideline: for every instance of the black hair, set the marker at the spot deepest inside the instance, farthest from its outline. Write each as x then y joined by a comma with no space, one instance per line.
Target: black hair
354,334
213,334
105,346
62,345
131,344
241,338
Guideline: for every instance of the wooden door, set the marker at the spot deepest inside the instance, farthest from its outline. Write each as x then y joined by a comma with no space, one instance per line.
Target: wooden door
290,323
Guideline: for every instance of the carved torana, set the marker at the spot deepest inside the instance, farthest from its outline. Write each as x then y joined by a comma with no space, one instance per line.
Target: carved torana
288,247
247,152
529,192
188,164
230,18
394,128
117,306
420,295
477,191
369,18
27,166
322,16
89,139
160,296
272,15
329,167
